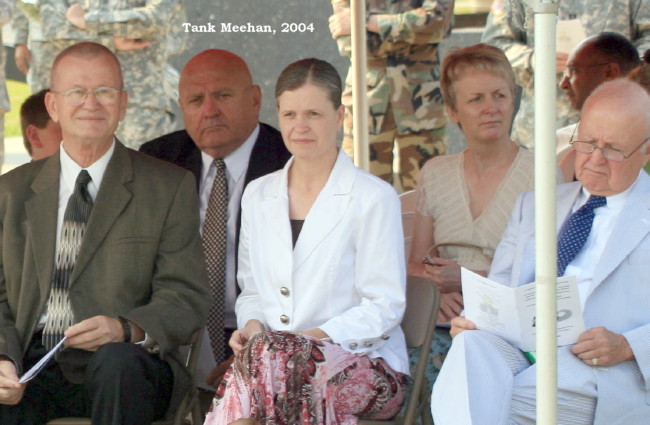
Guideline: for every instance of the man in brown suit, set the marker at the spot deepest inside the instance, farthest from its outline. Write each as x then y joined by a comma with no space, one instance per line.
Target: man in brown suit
136,287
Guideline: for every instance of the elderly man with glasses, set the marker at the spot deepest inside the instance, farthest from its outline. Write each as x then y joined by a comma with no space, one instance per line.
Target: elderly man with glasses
597,59
603,240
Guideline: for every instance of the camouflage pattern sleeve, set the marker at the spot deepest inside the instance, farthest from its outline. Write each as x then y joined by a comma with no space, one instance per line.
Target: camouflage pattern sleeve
428,24
56,26
641,24
6,10
131,19
503,31
20,27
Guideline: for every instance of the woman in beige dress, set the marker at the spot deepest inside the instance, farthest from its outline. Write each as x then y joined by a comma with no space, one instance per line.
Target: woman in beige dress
463,201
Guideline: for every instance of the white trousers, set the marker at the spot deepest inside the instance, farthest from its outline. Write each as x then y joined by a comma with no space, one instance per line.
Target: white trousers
486,381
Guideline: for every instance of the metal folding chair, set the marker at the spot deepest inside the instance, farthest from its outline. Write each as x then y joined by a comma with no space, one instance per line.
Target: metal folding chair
419,325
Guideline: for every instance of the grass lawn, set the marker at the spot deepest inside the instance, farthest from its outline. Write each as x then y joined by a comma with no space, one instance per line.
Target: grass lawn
18,92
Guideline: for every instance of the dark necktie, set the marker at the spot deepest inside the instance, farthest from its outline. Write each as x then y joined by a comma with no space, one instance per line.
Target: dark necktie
59,311
214,246
575,231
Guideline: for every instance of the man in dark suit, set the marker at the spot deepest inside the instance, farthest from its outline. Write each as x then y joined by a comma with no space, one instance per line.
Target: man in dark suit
97,246
221,107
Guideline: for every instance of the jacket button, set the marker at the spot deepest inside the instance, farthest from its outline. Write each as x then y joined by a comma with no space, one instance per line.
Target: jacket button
367,344
353,346
284,291
284,319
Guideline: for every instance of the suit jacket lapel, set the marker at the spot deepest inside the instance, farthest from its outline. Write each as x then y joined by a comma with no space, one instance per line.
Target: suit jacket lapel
179,149
524,270
189,157
112,198
274,212
565,201
42,212
328,209
264,157
632,225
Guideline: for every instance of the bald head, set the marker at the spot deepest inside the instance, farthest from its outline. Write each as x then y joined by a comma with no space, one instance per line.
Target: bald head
220,103
622,95
616,117
216,60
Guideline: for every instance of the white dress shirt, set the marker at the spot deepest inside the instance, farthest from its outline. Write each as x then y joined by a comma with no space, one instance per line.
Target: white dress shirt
236,167
582,265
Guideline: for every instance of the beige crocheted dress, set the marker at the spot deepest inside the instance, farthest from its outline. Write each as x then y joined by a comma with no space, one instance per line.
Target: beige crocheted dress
442,194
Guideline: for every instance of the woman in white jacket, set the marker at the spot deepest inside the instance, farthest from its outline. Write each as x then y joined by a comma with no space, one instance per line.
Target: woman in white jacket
322,274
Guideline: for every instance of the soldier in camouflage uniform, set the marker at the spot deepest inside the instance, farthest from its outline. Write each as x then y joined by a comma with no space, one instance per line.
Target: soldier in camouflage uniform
405,102
137,31
510,27
6,9
34,55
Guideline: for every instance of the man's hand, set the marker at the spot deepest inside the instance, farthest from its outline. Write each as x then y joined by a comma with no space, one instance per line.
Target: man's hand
124,44
444,273
92,333
451,304
11,391
607,348
215,375
460,324
241,336
23,58
340,22
76,16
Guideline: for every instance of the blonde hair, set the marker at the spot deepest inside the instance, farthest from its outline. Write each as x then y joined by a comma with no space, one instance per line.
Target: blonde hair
479,57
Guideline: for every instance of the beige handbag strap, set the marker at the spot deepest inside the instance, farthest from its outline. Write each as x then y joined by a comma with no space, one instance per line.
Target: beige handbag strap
428,259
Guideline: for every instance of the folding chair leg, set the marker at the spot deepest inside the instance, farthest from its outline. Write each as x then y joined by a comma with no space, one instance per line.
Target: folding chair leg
197,415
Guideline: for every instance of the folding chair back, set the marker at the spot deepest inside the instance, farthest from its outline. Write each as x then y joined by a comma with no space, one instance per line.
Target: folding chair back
418,324
407,200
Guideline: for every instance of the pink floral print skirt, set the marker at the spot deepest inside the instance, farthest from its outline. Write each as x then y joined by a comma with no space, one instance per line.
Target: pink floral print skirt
286,378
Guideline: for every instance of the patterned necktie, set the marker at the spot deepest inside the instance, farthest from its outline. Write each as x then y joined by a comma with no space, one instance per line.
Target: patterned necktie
214,246
59,311
575,231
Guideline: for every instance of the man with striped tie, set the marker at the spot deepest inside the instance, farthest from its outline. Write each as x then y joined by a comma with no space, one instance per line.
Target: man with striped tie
603,240
100,246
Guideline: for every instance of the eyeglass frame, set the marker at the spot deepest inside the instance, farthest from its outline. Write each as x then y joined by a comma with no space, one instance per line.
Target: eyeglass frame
570,69
86,92
605,150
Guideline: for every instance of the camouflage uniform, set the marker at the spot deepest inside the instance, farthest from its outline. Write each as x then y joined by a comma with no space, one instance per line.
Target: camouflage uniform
177,43
27,30
510,27
148,113
405,101
6,9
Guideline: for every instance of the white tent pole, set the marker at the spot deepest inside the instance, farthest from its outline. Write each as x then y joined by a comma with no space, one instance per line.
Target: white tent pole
359,95
545,216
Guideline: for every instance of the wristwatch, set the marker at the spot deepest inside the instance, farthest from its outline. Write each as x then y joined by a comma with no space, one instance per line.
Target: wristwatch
126,327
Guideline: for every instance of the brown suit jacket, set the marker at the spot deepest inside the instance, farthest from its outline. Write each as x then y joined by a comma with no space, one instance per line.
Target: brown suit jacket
140,257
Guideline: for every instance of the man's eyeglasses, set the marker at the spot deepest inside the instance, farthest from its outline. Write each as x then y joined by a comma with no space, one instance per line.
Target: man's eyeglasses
104,95
610,153
571,69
